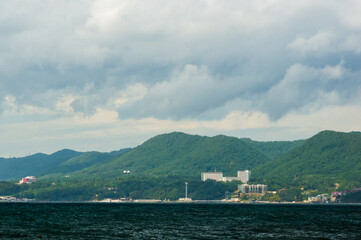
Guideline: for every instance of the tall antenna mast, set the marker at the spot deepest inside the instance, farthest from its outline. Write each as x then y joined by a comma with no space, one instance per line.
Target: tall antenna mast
186,184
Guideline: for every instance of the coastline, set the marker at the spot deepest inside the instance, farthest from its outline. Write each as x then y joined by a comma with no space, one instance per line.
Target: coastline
156,201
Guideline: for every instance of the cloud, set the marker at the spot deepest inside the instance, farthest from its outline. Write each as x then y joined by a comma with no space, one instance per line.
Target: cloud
353,43
321,41
186,95
349,15
305,87
178,60
105,132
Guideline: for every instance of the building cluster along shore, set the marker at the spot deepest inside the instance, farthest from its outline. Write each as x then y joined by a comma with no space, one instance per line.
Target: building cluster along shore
245,192
242,176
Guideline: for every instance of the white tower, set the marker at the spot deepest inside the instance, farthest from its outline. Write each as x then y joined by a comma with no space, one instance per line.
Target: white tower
244,176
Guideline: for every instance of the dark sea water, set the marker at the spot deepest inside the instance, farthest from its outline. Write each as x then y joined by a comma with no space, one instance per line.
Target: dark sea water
178,221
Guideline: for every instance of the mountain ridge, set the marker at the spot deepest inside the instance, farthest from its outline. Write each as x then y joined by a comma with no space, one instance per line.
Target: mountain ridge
328,157
183,154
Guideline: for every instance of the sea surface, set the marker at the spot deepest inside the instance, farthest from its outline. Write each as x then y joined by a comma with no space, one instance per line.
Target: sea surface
178,221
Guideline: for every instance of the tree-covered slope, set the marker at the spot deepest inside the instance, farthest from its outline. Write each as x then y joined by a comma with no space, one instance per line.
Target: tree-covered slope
83,161
274,149
37,164
328,154
183,154
78,163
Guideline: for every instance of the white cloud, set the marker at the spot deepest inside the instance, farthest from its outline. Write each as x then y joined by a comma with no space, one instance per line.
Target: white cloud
319,42
349,14
64,105
132,94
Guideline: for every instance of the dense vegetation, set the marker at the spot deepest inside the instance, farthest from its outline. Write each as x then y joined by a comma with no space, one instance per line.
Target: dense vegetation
274,149
354,197
61,162
83,161
37,164
326,162
163,155
171,187
323,161
184,155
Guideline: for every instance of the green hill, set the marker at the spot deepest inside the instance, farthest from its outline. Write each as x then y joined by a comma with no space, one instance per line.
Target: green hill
274,149
61,162
83,161
182,154
166,154
159,167
325,159
34,165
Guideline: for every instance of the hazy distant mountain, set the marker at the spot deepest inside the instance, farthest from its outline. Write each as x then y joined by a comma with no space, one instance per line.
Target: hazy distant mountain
83,161
37,164
60,162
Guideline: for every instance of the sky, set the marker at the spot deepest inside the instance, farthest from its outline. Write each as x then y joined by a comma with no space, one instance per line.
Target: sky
106,74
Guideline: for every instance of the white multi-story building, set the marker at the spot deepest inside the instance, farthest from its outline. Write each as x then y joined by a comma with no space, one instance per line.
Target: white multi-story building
244,176
229,179
218,176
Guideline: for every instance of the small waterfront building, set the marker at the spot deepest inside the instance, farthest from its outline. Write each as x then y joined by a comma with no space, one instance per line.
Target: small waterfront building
318,198
336,196
322,198
185,200
252,189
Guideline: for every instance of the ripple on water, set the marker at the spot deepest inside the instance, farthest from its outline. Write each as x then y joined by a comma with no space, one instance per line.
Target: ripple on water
178,221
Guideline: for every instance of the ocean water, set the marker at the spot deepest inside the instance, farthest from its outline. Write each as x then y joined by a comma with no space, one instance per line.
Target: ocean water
178,221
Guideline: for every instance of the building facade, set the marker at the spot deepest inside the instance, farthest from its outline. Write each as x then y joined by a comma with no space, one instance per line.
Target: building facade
253,189
242,176
229,179
218,176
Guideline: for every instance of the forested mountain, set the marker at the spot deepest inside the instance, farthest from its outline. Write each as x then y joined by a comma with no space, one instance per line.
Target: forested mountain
37,164
274,149
83,161
159,167
322,160
327,158
61,162
182,154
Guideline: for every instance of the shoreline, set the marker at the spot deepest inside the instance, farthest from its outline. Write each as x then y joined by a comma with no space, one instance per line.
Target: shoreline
155,201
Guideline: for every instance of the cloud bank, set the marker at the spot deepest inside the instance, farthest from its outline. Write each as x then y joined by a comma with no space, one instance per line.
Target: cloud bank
249,68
